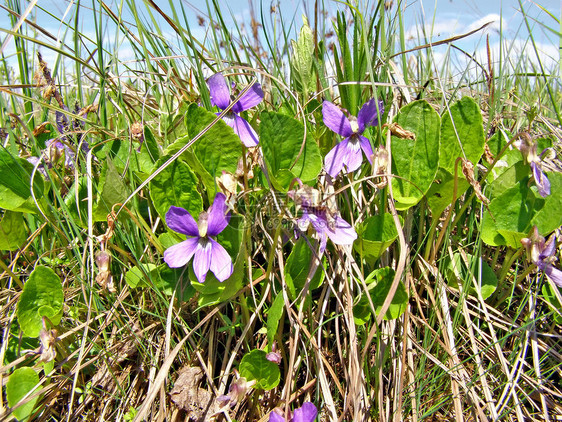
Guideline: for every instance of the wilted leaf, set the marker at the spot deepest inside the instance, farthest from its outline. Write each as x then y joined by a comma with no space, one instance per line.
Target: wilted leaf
199,403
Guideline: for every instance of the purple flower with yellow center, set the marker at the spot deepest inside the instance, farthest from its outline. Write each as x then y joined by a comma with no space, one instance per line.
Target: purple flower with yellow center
323,217
221,97
306,413
348,152
542,253
207,253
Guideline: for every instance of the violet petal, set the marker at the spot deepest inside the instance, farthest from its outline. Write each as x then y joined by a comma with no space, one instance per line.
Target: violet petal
219,91
275,417
181,221
202,259
549,248
318,220
341,232
542,182
554,274
250,99
242,128
221,263
178,255
335,119
366,147
320,224
218,218
368,116
333,162
353,156
306,413
303,222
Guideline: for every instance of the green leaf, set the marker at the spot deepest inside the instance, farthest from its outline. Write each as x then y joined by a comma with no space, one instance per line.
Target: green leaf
13,231
415,162
549,217
282,138
79,212
509,178
297,269
375,235
512,212
477,270
150,145
22,381
498,141
173,279
175,185
138,275
302,59
113,190
48,132
462,126
163,278
254,366
148,154
217,150
517,209
124,155
42,296
273,317
440,194
378,285
15,182
550,296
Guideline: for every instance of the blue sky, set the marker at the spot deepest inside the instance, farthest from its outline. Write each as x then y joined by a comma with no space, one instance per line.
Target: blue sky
442,19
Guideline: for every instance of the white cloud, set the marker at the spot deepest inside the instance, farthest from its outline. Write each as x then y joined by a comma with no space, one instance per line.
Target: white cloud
441,29
497,23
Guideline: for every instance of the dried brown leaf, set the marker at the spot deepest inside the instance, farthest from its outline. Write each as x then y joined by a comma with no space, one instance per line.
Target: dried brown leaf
187,394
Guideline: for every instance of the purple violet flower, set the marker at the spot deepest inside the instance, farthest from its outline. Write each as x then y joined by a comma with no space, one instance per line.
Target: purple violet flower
324,218
306,413
55,149
542,182
237,391
348,151
541,253
208,253
528,148
220,96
